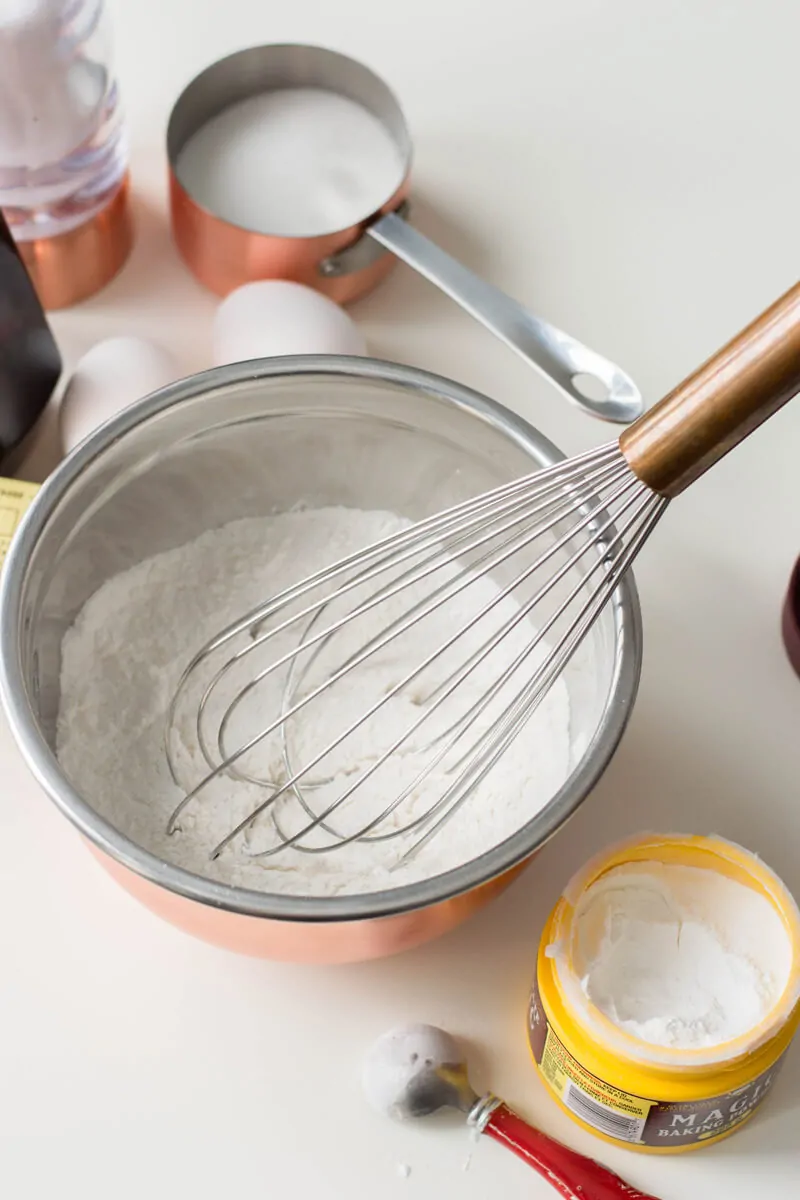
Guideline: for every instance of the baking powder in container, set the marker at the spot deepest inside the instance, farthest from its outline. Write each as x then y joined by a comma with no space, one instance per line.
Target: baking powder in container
667,991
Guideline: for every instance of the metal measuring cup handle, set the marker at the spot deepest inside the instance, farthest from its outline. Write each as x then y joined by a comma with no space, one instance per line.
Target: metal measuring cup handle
559,357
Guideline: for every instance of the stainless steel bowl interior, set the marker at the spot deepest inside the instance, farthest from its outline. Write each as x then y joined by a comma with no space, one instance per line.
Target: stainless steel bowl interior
251,439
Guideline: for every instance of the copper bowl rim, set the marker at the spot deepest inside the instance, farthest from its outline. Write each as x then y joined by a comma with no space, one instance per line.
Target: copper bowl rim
42,761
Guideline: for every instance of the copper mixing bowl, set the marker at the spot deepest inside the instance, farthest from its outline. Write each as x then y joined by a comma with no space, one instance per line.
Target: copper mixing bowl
241,441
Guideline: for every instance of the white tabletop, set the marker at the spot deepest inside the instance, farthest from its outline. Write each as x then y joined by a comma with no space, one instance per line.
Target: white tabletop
631,171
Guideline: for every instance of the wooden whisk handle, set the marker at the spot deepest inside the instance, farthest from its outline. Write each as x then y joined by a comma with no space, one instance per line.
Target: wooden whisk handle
721,403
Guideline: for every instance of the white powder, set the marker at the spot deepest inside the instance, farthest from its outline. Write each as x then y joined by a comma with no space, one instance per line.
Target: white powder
679,956
51,89
295,162
396,1069
124,656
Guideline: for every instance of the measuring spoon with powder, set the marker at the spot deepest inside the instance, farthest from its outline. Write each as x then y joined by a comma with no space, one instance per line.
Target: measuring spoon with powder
418,1069
293,162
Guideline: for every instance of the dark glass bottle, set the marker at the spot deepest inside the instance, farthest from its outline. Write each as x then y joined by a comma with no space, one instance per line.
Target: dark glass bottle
30,363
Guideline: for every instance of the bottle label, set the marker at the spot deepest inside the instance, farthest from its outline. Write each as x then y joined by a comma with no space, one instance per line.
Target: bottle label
636,1119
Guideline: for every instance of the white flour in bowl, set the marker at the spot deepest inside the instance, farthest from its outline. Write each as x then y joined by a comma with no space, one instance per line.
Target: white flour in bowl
125,654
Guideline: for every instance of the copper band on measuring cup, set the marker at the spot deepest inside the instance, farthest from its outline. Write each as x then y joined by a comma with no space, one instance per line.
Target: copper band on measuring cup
222,255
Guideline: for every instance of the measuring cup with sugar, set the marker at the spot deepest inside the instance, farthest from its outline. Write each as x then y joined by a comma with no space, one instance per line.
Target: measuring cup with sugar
293,162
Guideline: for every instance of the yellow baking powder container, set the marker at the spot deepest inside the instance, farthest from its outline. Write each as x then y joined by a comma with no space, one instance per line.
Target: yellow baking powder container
647,1097
15,499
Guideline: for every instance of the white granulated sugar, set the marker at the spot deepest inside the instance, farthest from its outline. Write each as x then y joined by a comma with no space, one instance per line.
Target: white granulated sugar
679,956
125,654
295,162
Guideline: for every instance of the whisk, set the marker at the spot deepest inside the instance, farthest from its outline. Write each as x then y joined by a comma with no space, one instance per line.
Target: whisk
478,610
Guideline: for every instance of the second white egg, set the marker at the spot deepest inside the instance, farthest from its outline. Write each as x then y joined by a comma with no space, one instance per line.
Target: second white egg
109,377
272,317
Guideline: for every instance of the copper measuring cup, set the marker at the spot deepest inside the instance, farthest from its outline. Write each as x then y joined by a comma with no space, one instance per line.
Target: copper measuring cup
347,263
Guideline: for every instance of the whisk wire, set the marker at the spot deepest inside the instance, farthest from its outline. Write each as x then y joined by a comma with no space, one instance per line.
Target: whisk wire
627,486
383,640
593,505
523,697
385,550
395,629
468,719
528,701
462,722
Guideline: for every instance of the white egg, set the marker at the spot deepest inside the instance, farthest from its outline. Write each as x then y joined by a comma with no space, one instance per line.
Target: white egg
108,378
273,317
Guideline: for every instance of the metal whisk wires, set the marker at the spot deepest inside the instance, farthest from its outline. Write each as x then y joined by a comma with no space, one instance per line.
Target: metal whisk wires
555,545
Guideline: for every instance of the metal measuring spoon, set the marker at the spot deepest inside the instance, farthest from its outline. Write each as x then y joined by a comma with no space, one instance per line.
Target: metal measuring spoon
417,1070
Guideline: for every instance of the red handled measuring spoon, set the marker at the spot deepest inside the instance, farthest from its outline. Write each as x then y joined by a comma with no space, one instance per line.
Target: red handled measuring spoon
414,1071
